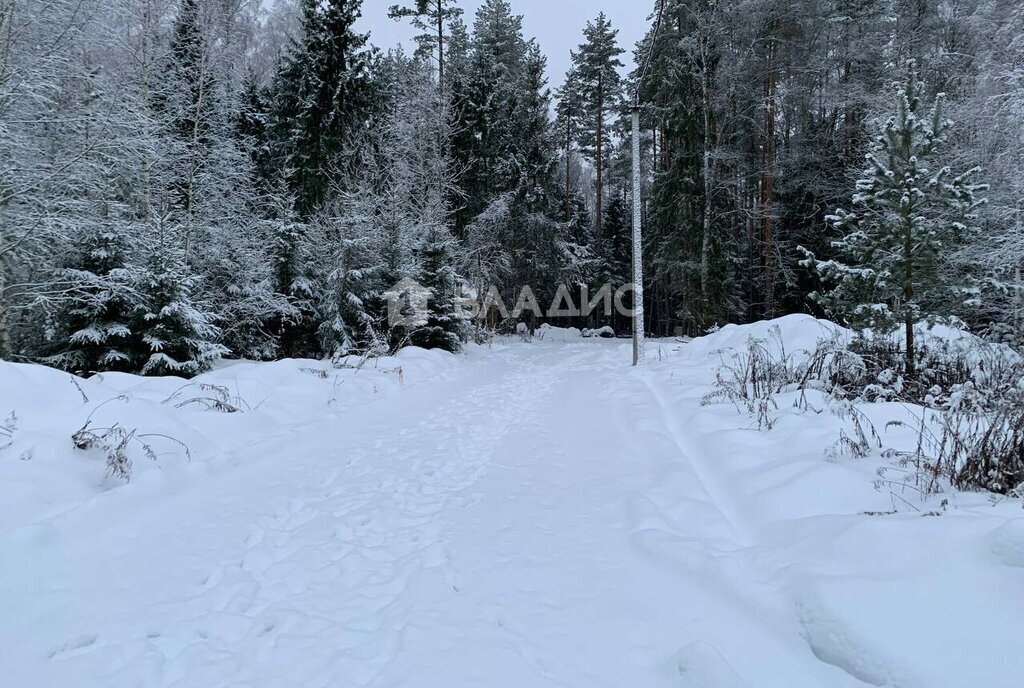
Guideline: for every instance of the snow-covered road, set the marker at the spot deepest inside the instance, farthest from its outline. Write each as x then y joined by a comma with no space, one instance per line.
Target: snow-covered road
536,515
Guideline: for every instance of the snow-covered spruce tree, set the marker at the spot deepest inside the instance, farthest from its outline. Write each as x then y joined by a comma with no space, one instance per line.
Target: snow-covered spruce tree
510,156
909,214
320,101
239,286
172,334
547,251
234,250
289,248
348,264
97,300
444,327
252,125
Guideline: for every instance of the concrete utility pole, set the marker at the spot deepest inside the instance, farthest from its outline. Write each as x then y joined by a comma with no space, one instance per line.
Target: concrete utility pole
638,244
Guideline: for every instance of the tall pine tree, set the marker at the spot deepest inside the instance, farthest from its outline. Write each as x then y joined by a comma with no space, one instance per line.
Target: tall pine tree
909,214
595,73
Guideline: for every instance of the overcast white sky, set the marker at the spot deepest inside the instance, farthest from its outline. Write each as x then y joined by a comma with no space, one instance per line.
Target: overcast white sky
556,24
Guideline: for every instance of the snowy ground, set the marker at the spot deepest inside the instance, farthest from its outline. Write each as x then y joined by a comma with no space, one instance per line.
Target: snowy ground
523,515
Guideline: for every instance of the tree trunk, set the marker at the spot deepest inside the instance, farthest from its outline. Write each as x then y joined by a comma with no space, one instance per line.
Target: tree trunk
192,169
908,293
768,183
598,220
440,45
1018,311
753,255
705,248
666,149
848,115
5,335
654,148
147,208
568,167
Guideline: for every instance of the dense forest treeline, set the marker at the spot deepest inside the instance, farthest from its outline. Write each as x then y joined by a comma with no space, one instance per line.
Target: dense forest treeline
182,180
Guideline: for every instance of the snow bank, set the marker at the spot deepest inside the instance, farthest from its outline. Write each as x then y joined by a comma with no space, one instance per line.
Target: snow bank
890,587
798,332
795,333
42,473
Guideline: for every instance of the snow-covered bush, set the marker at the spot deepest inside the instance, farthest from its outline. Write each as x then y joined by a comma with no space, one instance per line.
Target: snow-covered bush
972,438
209,397
983,443
967,397
115,442
883,371
753,377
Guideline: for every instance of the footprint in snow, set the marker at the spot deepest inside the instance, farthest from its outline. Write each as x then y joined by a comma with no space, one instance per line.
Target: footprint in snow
74,647
700,665
1007,543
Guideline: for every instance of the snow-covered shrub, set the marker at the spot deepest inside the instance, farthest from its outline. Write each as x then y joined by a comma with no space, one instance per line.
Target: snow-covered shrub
752,378
967,396
209,397
1005,333
941,365
859,438
983,445
115,442
972,438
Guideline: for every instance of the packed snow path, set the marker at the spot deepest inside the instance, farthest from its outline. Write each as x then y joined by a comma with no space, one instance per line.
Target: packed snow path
534,516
